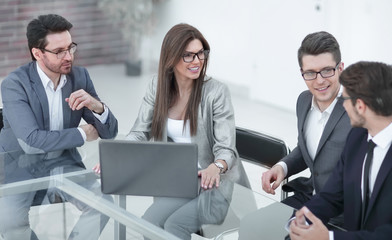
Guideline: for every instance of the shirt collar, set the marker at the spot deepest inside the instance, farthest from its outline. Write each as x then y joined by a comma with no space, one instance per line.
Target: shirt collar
46,82
384,138
328,110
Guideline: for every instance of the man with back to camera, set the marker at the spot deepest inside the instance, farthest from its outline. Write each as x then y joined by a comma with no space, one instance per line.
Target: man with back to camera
360,185
44,102
322,123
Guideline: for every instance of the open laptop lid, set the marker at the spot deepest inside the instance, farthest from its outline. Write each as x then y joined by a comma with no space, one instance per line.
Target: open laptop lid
148,168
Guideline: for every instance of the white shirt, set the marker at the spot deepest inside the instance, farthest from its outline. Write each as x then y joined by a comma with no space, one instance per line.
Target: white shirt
383,141
176,131
314,127
55,101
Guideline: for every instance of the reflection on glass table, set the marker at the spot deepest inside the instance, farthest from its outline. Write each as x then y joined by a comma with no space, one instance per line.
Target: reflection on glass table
221,211
31,180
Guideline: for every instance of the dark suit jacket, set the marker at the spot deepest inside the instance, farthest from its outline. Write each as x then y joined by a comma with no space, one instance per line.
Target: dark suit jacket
342,192
329,149
26,114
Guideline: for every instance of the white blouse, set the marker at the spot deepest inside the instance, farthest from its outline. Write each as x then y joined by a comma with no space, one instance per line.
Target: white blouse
176,131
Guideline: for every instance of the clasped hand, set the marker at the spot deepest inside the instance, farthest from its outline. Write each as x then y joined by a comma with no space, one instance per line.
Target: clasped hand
80,98
300,230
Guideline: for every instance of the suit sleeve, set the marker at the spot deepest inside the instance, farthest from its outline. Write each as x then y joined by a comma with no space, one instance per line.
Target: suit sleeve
105,130
295,161
24,123
142,127
383,232
224,126
329,202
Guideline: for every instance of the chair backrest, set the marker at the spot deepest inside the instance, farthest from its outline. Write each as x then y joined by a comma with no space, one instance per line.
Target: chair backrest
260,148
256,148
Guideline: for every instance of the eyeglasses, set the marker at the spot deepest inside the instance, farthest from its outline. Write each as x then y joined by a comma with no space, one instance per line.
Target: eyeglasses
325,73
344,98
61,54
190,57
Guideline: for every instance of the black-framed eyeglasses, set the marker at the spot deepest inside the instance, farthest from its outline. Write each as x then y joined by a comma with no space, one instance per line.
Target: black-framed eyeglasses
341,97
325,73
61,54
190,57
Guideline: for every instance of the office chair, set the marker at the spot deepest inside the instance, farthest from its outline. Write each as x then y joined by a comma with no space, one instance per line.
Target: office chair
260,148
256,148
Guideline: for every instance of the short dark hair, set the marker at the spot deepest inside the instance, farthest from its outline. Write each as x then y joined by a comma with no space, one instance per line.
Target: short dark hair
372,83
39,28
318,43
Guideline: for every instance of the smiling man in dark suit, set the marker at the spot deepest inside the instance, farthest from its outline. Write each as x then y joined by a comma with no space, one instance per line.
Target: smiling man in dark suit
322,123
44,102
361,184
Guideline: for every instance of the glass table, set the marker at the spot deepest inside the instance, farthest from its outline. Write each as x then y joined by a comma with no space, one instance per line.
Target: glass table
232,215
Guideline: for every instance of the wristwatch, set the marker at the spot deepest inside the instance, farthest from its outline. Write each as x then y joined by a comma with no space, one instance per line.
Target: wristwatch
104,108
220,166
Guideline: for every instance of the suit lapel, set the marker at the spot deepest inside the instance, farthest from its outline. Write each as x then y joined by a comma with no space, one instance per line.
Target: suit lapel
357,175
301,124
39,90
66,91
336,114
384,171
201,137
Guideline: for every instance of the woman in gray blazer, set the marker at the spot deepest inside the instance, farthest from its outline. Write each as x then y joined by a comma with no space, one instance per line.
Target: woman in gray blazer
183,105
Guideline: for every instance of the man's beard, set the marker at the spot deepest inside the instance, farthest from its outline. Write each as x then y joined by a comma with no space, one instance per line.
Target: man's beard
359,121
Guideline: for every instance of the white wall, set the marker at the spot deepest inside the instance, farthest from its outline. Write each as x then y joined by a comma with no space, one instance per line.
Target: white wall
254,43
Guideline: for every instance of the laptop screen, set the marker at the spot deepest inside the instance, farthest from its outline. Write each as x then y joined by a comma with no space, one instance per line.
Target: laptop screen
149,168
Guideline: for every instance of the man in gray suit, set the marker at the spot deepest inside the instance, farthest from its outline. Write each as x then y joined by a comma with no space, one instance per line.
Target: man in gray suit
322,122
44,102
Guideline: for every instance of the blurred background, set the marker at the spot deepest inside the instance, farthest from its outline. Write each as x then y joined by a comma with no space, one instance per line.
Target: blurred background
253,43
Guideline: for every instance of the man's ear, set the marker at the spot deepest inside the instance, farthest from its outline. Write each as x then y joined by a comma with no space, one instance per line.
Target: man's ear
37,53
341,67
360,106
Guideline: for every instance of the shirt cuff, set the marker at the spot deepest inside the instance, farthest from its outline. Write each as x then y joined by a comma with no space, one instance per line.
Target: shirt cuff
84,136
284,166
103,117
331,237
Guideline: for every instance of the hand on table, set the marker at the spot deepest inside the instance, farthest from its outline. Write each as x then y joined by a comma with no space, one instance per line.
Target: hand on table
97,168
209,176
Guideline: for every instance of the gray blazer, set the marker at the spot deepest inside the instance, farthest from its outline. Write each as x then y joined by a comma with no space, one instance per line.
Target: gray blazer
330,147
26,114
215,128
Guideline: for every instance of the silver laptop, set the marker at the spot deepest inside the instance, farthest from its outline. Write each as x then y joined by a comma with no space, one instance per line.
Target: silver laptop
148,168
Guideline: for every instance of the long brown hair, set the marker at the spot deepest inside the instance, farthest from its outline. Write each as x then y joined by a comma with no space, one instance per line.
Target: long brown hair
173,47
